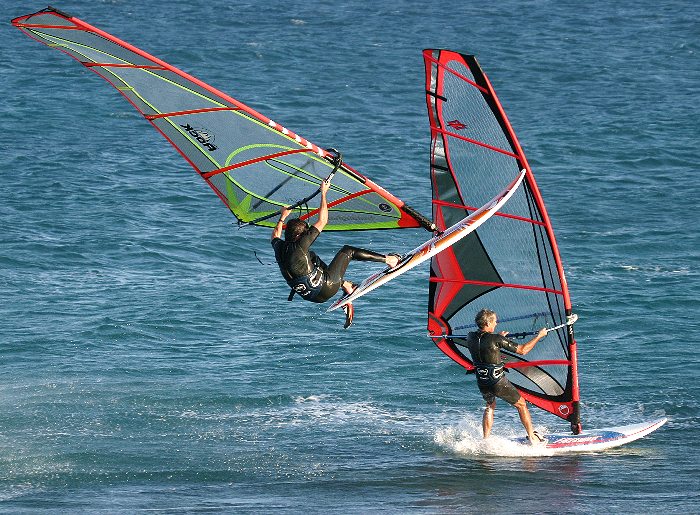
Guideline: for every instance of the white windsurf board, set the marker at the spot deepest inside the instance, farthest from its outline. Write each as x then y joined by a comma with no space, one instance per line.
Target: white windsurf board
591,440
432,246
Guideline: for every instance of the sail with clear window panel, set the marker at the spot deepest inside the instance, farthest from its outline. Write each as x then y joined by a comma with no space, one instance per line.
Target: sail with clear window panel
254,165
510,264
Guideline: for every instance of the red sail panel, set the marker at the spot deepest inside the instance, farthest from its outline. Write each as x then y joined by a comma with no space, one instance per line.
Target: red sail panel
511,264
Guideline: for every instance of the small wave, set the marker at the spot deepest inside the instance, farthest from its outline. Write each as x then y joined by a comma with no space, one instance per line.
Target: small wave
310,398
17,491
315,410
657,270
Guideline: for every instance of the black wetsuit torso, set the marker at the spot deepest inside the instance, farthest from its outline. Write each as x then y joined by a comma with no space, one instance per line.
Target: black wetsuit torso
307,274
485,349
303,270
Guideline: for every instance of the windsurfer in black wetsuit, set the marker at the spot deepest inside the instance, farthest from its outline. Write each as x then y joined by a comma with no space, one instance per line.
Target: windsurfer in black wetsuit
304,271
485,348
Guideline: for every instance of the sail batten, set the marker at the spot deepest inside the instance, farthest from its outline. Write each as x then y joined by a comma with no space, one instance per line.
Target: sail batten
191,111
475,142
494,284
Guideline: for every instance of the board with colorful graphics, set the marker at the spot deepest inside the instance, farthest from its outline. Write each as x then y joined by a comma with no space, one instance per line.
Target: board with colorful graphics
592,440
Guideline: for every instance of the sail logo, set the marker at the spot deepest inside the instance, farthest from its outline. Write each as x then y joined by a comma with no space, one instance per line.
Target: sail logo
202,136
456,125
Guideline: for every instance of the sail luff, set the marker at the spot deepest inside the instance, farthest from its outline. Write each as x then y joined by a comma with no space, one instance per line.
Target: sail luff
529,177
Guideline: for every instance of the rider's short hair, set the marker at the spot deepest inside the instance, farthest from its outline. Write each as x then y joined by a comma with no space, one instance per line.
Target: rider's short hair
484,317
295,228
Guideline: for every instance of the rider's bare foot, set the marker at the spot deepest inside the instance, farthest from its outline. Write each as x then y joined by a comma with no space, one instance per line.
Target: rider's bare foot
536,439
348,287
349,314
392,260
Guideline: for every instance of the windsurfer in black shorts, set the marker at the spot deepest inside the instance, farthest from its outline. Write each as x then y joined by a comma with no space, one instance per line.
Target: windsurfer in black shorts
485,348
307,275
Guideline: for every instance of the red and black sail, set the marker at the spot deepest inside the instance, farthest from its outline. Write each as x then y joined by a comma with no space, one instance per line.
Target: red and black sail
511,264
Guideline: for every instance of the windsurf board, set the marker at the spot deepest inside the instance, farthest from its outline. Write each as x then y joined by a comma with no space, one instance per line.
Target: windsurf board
434,245
591,440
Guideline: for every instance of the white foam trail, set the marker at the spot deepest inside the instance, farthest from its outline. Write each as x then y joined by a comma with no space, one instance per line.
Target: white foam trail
465,438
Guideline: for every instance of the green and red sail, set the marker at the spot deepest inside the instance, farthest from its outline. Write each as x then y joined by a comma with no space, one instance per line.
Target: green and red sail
253,164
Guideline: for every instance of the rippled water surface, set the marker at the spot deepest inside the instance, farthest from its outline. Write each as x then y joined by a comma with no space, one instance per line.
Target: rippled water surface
151,363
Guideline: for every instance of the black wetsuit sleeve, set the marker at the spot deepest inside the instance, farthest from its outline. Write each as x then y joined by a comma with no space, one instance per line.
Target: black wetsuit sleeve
506,344
308,238
277,245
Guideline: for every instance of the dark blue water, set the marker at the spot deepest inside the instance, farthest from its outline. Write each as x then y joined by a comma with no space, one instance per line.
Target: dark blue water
151,363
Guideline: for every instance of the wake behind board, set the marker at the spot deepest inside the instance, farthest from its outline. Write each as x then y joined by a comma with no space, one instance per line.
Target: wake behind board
596,439
434,245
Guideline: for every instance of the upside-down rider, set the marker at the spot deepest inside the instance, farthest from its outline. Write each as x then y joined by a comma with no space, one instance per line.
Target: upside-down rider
485,348
306,274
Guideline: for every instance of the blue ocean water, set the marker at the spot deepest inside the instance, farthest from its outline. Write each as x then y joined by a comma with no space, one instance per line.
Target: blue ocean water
150,363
